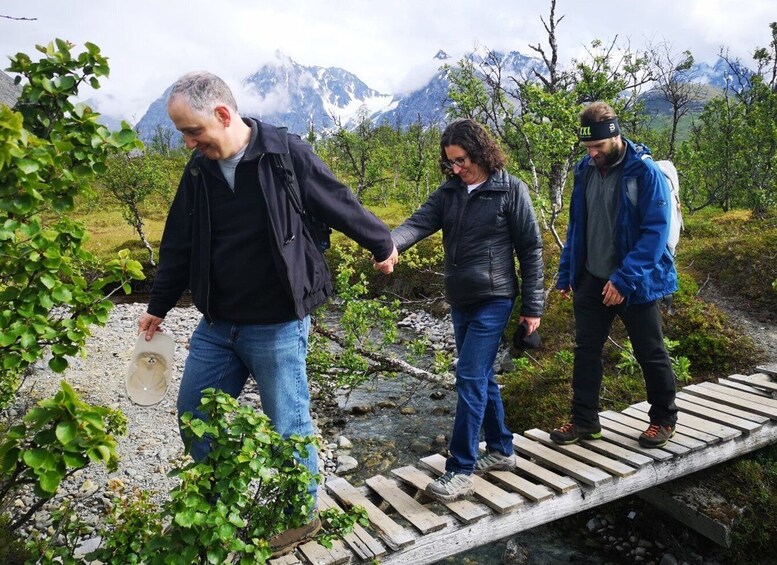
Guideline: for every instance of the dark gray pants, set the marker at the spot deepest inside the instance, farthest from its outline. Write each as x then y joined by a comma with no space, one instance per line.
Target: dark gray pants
593,321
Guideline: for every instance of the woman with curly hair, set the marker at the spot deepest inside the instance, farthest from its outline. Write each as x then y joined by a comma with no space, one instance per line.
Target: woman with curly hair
487,219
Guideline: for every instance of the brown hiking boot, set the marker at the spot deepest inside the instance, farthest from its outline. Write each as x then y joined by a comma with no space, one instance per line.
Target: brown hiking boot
656,435
281,544
570,433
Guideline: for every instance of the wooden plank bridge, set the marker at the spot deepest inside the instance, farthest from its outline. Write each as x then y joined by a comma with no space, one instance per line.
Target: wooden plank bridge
717,422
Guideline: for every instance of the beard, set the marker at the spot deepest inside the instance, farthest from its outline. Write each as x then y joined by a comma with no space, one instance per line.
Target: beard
609,158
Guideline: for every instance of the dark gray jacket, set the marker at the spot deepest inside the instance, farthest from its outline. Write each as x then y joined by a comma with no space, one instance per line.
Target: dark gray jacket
184,256
481,233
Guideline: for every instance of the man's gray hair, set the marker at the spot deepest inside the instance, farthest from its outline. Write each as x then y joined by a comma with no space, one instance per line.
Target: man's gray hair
203,91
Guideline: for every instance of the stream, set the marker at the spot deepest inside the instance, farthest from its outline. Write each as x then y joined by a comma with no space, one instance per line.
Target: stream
393,422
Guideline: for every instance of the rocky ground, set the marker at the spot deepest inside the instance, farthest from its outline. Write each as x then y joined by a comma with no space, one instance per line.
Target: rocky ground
152,445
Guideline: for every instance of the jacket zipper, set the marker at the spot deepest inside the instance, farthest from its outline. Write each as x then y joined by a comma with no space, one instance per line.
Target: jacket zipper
459,220
210,236
275,232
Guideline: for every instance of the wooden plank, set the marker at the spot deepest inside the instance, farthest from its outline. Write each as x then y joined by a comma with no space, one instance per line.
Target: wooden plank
629,425
688,515
580,453
769,368
559,483
724,408
640,411
696,427
435,547
747,388
493,496
395,536
288,559
628,456
547,456
734,397
406,506
464,509
535,493
359,540
683,435
317,554
759,380
630,443
746,426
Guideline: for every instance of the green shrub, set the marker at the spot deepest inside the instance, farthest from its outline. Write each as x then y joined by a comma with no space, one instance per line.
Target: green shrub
227,506
58,437
538,395
705,336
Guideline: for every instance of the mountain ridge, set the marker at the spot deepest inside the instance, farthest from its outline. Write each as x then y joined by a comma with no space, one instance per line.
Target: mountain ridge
284,92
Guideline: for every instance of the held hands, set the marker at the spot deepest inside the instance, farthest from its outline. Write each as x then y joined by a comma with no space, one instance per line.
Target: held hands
149,324
387,265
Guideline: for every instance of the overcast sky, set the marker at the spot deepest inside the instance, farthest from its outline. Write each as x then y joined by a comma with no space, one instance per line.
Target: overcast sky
389,45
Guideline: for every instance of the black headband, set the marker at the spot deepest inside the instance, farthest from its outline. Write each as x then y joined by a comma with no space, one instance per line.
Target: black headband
596,131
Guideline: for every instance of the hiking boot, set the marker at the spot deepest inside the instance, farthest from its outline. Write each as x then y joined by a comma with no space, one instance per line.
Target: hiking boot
494,461
283,543
570,433
451,486
656,435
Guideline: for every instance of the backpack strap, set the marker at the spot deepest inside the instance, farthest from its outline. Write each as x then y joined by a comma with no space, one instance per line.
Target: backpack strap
631,184
283,164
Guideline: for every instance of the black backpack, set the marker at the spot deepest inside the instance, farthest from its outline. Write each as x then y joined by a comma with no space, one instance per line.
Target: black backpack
318,229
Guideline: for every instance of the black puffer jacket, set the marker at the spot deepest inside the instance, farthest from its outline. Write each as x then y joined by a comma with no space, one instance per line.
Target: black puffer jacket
480,231
185,259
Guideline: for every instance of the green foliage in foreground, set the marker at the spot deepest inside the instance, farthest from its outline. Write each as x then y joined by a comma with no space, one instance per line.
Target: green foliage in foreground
227,506
49,148
58,437
341,359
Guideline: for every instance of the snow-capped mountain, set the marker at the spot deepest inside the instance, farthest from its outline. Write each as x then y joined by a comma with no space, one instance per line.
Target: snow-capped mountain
431,102
286,93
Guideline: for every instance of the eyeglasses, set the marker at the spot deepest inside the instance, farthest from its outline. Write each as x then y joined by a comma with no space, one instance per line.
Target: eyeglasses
457,162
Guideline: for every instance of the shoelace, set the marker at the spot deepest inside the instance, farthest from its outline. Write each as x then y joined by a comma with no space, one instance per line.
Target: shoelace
446,478
652,430
566,427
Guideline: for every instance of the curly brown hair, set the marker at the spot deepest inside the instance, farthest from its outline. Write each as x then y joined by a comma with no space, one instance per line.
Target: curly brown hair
480,146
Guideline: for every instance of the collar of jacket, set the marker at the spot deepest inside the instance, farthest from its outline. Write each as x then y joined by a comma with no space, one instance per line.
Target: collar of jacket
500,180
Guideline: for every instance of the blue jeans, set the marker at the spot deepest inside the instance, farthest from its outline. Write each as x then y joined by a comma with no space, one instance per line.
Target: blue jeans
478,330
223,354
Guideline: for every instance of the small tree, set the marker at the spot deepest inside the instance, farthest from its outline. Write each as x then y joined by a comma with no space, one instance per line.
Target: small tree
359,153
732,153
674,81
131,180
227,506
50,289
535,113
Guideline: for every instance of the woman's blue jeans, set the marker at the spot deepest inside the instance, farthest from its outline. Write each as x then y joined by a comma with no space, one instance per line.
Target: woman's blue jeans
223,354
478,330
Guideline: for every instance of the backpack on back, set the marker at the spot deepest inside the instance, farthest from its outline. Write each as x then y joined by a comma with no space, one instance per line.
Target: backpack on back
318,229
676,220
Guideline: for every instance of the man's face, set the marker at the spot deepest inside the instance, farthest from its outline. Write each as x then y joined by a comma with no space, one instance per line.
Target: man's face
605,152
206,132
